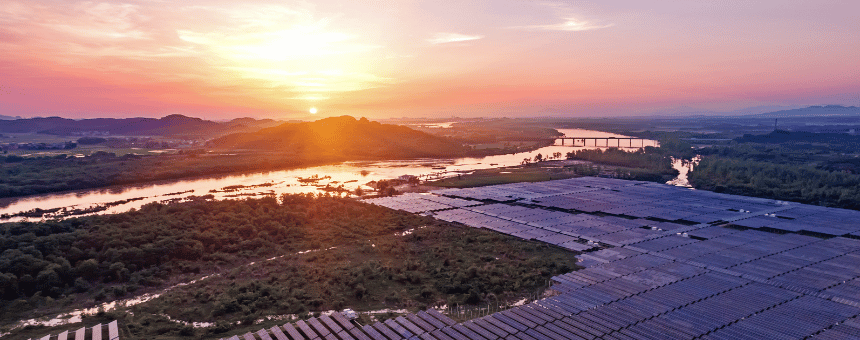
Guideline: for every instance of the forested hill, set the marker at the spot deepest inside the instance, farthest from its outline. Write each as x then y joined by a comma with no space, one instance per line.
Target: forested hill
345,136
172,125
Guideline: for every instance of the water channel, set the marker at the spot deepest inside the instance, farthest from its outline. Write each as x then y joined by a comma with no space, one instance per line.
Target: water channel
236,186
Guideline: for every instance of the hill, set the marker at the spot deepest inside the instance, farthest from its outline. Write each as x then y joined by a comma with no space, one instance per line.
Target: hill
820,111
780,136
172,125
343,136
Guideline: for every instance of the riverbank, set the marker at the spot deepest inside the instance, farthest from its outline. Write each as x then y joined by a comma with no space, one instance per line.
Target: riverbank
543,171
47,175
538,172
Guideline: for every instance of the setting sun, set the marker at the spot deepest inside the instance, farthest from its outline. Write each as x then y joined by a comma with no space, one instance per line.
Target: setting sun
313,110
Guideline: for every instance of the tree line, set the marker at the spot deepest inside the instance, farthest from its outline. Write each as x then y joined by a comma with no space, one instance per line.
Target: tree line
645,164
798,183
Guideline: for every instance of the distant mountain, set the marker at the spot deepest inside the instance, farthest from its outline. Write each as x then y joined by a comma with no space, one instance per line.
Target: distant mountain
2,117
687,111
816,111
781,136
763,109
343,136
172,125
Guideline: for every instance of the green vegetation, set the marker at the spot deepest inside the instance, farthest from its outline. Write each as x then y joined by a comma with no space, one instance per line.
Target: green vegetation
108,256
795,166
803,184
28,176
435,265
505,131
646,164
325,141
530,173
172,125
52,266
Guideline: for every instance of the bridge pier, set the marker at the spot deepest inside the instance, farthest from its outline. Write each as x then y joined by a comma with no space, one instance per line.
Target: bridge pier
606,141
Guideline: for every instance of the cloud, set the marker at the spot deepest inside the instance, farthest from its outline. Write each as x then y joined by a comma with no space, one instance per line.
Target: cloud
568,18
569,25
444,38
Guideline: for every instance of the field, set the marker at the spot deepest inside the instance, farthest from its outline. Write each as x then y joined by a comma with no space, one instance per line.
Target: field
79,150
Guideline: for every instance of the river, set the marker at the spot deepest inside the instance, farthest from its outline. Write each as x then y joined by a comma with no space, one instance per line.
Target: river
349,174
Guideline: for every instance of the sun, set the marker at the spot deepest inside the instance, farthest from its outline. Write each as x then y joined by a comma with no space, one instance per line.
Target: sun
313,110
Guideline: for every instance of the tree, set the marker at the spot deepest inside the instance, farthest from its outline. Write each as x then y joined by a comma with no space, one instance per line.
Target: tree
538,158
389,191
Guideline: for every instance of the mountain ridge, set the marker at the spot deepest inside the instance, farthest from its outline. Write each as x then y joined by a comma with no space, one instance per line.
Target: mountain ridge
342,136
171,125
826,110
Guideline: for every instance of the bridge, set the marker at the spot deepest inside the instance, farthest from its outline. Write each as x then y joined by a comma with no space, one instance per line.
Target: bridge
607,141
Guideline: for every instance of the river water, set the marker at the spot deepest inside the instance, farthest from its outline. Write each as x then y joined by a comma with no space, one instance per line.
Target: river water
235,186
684,166
349,174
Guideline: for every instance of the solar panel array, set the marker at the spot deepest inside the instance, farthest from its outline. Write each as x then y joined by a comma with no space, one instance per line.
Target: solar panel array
96,332
418,203
422,325
673,263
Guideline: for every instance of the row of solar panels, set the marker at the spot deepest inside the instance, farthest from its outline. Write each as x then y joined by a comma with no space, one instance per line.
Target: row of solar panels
417,203
618,284
692,306
525,231
715,283
846,330
702,318
608,191
515,191
685,305
337,326
96,332
640,199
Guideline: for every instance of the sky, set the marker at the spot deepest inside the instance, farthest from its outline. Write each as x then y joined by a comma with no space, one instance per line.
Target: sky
381,59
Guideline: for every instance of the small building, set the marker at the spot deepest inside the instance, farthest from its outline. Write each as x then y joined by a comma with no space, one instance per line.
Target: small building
408,178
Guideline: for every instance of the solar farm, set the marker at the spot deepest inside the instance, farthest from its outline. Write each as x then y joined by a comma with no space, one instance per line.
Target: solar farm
674,263
660,262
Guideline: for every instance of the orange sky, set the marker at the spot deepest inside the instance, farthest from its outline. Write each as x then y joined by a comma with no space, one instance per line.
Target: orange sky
277,59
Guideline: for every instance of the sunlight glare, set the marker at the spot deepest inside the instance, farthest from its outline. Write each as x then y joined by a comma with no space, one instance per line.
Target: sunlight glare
313,110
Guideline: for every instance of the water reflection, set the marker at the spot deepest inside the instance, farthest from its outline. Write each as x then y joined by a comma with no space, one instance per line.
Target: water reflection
684,166
349,174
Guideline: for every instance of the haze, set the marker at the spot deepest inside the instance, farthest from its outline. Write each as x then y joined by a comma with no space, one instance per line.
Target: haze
279,59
